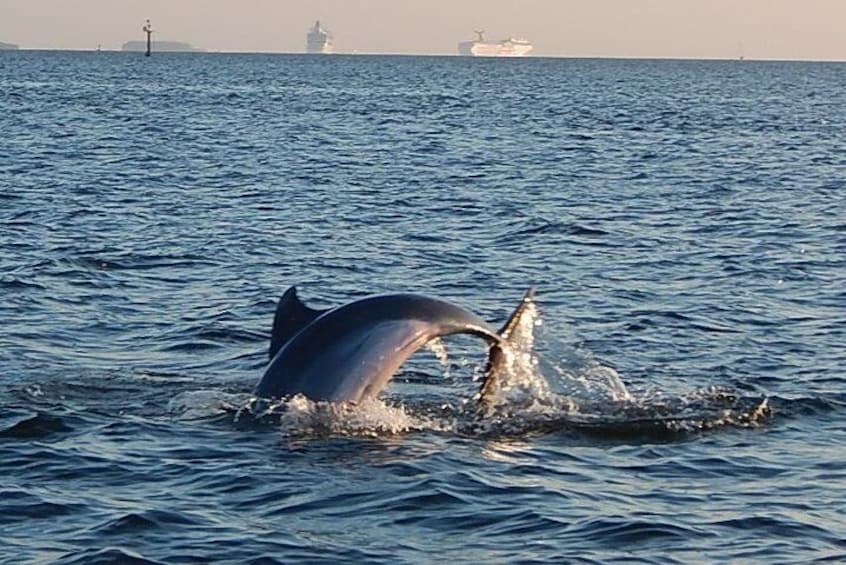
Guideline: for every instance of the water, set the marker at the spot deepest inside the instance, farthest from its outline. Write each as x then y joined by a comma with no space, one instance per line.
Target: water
682,222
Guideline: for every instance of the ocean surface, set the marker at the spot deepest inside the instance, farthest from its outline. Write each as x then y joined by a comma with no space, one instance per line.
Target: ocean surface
683,224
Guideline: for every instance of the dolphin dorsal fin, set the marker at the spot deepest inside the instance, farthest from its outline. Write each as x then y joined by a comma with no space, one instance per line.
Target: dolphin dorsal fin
291,317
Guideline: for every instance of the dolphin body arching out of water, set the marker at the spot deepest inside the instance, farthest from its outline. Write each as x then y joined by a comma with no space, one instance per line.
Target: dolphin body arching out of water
350,353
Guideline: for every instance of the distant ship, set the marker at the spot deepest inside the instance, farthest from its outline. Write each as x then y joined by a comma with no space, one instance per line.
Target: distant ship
319,40
7,46
162,46
511,47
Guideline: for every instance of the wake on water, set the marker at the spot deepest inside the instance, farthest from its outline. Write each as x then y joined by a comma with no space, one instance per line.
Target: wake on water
536,395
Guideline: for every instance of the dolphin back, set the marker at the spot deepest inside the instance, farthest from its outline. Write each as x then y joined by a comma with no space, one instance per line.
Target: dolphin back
351,352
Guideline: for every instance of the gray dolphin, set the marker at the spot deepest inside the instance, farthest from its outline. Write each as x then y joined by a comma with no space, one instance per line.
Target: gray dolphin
350,353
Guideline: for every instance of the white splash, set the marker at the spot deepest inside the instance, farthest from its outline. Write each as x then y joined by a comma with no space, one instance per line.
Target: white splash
593,382
301,416
437,347
520,381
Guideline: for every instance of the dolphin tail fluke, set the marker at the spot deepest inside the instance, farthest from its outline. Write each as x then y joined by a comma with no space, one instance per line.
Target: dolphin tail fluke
516,334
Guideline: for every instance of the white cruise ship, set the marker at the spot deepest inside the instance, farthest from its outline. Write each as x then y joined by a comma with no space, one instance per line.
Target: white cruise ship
511,47
319,40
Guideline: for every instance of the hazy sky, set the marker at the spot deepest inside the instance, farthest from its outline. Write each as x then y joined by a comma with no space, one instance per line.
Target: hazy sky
771,29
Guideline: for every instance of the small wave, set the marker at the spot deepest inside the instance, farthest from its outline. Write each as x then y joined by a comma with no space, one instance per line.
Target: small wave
149,520
21,503
626,532
229,335
190,347
106,556
547,227
782,526
204,337
19,284
643,319
133,261
21,424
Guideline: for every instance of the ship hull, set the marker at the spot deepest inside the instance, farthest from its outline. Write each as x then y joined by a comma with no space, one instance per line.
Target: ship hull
505,48
324,48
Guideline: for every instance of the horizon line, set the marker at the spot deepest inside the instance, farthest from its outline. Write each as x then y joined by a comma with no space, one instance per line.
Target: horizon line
203,51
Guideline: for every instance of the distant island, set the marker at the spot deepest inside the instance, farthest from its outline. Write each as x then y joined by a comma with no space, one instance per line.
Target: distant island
7,46
162,46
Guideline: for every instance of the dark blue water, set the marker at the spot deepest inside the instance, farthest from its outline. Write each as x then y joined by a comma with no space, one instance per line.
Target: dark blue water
683,222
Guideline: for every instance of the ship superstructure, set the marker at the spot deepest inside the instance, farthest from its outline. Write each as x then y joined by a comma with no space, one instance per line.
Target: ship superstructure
319,40
511,47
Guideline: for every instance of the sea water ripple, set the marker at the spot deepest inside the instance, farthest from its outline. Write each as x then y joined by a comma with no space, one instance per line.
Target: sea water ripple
682,221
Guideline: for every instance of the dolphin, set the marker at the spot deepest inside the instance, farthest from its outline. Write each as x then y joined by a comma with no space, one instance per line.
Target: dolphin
349,353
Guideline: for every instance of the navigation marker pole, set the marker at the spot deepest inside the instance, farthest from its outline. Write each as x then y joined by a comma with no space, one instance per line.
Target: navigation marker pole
148,29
